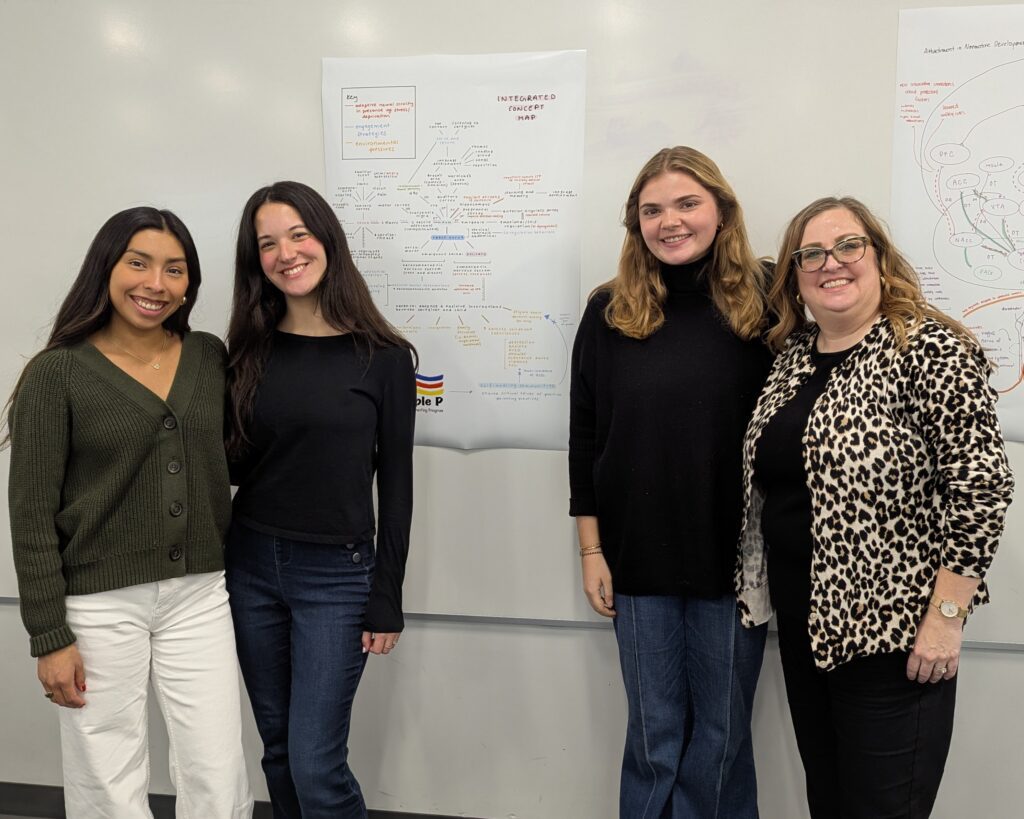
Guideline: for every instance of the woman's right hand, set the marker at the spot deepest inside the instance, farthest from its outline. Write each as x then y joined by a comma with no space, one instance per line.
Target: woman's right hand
63,673
597,584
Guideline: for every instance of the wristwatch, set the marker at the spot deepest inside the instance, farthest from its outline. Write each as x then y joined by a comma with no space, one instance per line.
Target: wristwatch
950,608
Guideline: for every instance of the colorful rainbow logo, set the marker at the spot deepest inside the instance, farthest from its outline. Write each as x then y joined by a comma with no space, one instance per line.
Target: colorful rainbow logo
429,384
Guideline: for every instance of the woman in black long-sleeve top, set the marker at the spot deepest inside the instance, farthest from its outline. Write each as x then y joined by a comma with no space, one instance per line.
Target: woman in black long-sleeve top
323,401
667,366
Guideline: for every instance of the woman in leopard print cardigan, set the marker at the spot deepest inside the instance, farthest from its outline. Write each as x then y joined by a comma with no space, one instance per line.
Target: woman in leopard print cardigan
876,484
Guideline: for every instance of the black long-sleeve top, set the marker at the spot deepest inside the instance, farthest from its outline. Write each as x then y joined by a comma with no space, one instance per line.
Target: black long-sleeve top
655,440
327,417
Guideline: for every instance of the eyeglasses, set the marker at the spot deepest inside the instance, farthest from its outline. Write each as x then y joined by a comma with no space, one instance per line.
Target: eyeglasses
812,259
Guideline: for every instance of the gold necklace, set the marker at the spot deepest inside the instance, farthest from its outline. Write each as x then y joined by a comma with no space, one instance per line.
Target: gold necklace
155,363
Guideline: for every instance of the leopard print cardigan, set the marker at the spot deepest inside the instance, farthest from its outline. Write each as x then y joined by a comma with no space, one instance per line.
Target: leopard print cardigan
907,473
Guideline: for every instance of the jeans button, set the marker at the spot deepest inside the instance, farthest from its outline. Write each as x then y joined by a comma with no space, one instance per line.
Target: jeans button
356,557
175,553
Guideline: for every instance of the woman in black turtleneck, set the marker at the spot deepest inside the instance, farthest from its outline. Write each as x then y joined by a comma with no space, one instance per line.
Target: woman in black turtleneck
667,366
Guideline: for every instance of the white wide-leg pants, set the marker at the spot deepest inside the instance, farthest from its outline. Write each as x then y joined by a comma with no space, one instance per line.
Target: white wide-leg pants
178,634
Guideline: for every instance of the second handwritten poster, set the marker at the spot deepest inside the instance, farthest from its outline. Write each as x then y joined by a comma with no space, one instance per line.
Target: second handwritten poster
958,177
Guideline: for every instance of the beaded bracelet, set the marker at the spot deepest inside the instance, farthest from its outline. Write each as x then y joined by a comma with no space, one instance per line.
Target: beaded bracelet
592,549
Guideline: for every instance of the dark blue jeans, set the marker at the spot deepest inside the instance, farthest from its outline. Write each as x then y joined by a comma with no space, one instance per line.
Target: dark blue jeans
690,670
298,613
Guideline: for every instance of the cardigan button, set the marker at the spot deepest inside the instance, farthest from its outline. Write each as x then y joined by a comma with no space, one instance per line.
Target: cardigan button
174,467
170,422
176,509
175,553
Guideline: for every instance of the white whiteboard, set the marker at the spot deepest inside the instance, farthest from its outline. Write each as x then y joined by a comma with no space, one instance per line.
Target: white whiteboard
193,105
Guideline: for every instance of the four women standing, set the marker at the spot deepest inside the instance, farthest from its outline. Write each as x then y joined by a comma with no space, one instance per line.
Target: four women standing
873,479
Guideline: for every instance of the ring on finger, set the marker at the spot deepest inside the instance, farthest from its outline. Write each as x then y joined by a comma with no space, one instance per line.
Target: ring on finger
48,695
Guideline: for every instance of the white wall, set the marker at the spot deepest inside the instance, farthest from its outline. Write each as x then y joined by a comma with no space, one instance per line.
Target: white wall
485,718
193,104
526,722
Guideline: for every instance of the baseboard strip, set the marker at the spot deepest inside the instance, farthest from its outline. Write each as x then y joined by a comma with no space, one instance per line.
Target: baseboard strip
47,802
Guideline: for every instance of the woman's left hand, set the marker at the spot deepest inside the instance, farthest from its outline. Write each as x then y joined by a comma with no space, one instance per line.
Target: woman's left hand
377,642
936,653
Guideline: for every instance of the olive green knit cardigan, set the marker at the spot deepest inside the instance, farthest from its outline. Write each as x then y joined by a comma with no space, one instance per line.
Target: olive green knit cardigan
110,486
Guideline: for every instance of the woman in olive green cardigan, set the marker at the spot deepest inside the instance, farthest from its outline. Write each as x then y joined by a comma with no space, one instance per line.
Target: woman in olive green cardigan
119,503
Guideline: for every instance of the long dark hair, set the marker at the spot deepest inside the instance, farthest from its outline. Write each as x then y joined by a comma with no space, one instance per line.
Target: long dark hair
257,306
86,308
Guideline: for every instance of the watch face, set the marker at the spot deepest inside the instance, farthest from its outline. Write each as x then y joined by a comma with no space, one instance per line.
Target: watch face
949,608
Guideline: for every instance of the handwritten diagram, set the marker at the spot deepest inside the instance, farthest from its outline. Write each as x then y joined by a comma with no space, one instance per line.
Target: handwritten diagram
958,177
456,180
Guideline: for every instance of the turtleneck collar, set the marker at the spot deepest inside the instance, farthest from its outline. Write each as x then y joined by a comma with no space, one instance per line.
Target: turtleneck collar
686,278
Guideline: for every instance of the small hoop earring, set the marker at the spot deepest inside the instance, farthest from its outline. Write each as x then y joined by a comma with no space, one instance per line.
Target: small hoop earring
799,299
184,299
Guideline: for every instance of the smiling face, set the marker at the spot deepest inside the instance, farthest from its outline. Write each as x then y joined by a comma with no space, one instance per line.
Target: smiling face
678,217
840,296
149,281
292,258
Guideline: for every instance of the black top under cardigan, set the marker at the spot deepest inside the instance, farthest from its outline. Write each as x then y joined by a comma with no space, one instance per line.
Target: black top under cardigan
786,518
655,440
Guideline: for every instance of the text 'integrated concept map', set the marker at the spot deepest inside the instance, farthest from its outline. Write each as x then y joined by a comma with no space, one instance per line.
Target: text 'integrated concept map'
457,181
958,177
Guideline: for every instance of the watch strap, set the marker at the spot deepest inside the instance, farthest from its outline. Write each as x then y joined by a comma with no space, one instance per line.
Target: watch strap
950,608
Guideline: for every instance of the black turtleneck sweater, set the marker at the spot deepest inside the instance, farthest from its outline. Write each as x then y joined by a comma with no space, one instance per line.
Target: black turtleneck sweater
655,440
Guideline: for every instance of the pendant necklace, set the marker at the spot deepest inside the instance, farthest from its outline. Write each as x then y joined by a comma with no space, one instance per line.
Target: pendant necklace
155,363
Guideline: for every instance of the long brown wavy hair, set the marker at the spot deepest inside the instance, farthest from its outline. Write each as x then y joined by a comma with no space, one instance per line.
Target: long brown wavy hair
258,306
736,277
903,303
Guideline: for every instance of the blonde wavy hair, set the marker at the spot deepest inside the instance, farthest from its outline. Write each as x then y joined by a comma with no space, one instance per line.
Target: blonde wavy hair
736,276
903,303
